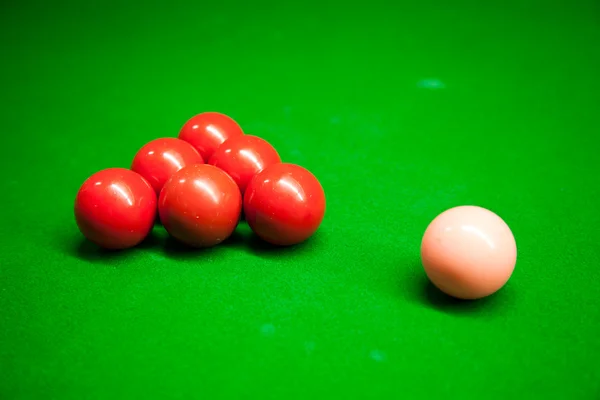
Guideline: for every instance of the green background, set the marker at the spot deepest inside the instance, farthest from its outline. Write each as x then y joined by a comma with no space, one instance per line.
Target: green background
401,110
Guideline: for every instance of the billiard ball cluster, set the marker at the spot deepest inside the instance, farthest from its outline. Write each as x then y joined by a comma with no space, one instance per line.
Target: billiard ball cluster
198,185
201,182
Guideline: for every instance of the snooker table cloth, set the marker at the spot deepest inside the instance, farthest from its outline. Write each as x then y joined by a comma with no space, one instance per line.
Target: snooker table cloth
401,109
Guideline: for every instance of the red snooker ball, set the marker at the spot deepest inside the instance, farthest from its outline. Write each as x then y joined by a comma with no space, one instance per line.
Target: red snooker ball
207,131
284,204
115,208
244,156
200,205
157,160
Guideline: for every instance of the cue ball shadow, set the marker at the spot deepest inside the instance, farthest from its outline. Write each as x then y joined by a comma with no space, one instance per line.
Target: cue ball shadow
418,288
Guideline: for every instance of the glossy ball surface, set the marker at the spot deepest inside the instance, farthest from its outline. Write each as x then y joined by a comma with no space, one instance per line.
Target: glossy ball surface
244,156
207,131
159,159
284,204
468,252
200,205
115,208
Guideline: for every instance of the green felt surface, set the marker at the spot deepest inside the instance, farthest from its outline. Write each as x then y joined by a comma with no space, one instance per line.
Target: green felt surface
401,111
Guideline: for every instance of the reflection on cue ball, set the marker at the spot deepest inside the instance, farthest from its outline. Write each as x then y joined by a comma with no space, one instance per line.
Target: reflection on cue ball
468,252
